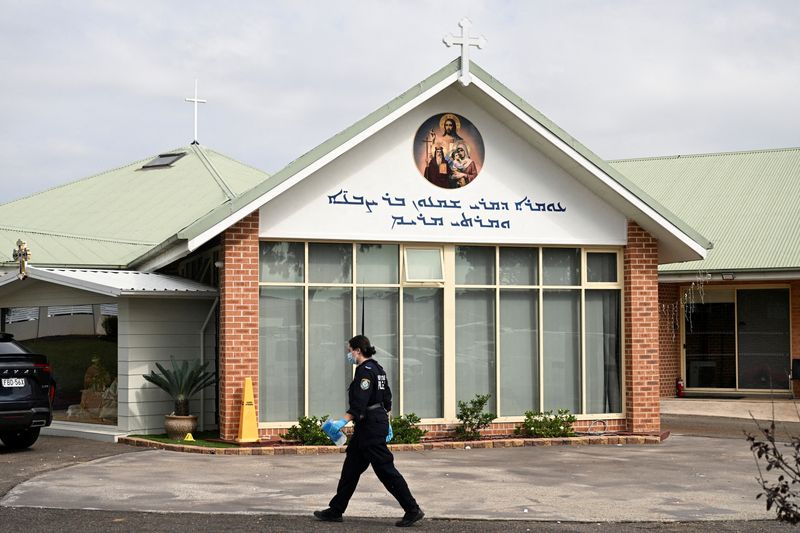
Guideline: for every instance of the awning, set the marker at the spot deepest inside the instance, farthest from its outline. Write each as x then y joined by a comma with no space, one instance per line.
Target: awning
116,282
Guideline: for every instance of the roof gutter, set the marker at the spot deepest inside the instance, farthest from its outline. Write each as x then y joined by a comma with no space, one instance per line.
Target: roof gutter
729,275
165,253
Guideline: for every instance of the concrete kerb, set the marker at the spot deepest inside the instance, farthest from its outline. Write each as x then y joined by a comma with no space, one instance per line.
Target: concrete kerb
581,440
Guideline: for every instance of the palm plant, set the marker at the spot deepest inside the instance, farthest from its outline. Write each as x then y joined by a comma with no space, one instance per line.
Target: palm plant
182,382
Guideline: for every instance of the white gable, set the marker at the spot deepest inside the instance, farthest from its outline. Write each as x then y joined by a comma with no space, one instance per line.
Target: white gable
376,192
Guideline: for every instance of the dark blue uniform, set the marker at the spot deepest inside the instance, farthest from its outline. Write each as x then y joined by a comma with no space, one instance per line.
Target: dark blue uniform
370,399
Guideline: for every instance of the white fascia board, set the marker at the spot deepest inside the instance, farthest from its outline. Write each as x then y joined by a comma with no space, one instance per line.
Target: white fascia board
8,278
207,295
706,277
319,163
171,254
66,281
590,167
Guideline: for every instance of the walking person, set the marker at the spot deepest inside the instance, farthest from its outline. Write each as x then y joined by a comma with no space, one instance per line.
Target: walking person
370,402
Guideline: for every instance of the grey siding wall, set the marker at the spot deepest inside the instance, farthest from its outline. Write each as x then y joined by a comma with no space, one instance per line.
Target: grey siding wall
150,331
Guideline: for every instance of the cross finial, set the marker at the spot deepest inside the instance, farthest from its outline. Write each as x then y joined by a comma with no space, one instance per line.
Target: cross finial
196,101
23,255
465,41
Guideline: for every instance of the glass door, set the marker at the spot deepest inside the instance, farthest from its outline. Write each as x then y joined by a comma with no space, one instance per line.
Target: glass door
738,339
710,341
764,343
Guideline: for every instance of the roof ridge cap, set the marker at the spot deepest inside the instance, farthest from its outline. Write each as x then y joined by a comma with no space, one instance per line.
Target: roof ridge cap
71,236
215,174
708,154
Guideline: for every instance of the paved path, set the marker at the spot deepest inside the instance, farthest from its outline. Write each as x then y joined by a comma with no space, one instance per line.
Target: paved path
682,479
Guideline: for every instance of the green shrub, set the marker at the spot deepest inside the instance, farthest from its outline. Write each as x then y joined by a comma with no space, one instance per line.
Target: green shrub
472,417
405,429
547,424
309,431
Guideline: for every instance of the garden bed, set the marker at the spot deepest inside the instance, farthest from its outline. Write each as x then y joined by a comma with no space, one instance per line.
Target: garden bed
282,447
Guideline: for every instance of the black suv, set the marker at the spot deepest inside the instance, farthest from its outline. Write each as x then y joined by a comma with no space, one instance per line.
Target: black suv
27,389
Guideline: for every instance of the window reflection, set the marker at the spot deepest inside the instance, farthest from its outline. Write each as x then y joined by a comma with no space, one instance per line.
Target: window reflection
80,342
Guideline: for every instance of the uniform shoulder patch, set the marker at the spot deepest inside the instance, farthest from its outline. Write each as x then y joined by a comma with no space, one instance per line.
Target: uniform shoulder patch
368,367
365,383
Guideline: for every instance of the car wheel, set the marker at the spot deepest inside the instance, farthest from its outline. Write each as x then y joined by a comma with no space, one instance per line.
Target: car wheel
20,439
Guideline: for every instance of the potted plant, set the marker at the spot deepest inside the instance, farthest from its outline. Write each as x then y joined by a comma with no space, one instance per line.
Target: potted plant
181,383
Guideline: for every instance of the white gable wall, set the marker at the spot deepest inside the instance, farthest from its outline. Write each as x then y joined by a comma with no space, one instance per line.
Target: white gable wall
383,167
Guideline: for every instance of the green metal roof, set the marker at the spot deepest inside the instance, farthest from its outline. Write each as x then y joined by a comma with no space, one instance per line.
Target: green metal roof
745,202
113,218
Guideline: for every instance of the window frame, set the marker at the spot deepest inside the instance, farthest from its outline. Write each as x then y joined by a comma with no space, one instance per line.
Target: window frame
447,253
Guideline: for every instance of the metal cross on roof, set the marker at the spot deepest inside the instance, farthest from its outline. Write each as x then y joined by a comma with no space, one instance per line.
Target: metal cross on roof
23,255
196,101
465,41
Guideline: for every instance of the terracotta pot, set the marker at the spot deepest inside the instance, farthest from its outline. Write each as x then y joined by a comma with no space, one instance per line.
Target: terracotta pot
178,426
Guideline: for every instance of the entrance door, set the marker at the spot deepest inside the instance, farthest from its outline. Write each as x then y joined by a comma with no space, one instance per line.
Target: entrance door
711,341
738,339
763,339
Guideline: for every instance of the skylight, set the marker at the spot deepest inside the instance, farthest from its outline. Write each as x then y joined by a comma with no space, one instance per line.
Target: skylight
164,160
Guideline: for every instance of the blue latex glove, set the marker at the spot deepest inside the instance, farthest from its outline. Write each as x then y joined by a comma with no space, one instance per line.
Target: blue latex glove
390,436
334,432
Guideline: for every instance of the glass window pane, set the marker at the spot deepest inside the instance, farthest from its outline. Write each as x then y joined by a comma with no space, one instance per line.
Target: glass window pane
561,266
764,344
475,346
603,365
81,344
281,349
601,267
474,265
562,319
282,261
330,263
329,328
424,264
378,312
519,266
377,263
423,352
519,352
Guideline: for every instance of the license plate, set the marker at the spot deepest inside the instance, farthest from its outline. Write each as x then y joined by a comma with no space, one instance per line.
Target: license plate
14,382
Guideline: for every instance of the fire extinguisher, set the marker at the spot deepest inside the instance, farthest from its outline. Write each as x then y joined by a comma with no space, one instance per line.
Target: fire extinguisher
679,388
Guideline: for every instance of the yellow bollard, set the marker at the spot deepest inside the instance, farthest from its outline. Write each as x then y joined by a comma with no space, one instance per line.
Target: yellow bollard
248,425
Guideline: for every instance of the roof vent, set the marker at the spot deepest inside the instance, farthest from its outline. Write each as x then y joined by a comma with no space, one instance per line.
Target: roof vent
164,160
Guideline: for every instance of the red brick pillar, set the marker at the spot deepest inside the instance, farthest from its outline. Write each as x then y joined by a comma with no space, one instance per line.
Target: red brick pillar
238,321
669,336
641,332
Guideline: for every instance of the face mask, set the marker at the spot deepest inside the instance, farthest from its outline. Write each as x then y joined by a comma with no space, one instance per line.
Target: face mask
350,358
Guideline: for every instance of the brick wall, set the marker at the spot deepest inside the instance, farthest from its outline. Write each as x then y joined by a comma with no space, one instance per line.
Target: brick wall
794,306
669,337
238,321
642,382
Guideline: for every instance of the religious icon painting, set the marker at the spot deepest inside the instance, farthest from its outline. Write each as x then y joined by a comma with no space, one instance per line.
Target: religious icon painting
448,150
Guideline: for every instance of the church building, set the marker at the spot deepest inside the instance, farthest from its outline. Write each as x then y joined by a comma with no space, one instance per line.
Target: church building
480,247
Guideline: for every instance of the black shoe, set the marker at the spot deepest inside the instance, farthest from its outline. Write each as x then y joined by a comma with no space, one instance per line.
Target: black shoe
329,515
409,518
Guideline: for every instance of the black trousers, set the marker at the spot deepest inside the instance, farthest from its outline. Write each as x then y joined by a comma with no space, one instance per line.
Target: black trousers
368,447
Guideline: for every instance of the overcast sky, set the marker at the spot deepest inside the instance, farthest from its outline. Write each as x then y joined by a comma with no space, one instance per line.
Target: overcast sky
87,86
